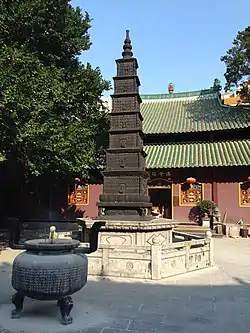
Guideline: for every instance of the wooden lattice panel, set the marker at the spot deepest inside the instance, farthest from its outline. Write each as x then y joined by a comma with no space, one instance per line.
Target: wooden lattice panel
80,196
244,194
190,194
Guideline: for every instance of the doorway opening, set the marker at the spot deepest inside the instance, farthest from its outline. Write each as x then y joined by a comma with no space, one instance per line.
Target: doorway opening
161,199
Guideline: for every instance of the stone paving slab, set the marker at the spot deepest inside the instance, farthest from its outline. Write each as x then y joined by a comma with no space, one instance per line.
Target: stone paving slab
213,300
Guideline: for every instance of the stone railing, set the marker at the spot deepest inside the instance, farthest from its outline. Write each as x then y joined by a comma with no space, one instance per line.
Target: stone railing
153,261
178,235
191,254
148,250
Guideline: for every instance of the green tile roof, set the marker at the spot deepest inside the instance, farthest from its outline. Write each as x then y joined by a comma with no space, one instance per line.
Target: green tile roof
199,154
190,112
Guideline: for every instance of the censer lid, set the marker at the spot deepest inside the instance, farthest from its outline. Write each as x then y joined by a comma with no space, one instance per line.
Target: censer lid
51,245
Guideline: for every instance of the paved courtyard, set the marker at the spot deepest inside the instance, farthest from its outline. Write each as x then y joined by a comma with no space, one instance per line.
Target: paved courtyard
211,300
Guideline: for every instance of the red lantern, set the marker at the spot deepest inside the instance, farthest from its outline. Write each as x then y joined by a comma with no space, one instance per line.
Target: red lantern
77,180
191,180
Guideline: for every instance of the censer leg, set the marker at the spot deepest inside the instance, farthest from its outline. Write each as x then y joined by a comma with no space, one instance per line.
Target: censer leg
66,305
17,300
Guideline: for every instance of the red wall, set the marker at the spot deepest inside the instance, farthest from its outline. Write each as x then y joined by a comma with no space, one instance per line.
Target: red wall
228,202
91,209
228,199
181,212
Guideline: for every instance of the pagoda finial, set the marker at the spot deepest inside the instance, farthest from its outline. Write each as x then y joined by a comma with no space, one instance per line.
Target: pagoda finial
127,47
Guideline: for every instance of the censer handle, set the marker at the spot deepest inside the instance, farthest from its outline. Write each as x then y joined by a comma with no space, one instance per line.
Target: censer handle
14,246
93,239
14,235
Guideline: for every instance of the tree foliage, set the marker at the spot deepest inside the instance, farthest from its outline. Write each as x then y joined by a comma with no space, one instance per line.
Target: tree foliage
51,117
237,61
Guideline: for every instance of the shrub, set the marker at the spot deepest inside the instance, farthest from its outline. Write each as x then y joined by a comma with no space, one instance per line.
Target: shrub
206,207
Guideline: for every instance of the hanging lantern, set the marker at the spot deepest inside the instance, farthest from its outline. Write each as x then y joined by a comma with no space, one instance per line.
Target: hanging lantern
248,178
77,180
190,180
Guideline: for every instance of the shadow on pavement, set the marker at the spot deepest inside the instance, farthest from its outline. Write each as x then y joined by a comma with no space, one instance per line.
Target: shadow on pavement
197,302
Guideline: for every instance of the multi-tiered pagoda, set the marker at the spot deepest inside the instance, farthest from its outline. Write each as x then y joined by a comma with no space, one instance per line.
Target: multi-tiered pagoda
125,178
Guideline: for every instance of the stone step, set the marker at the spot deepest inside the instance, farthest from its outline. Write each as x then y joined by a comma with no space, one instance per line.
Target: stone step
196,230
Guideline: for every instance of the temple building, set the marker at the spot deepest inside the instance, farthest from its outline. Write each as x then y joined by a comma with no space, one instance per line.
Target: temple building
197,149
192,137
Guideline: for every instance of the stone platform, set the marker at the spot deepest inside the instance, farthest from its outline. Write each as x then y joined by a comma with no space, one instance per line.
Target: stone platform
146,250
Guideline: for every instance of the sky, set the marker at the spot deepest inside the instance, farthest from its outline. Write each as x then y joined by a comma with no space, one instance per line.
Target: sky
174,41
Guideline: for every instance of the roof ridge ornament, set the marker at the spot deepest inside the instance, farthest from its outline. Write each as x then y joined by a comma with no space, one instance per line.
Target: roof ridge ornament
127,47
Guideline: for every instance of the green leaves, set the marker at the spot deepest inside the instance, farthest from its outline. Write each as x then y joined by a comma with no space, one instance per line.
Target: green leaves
50,118
52,29
206,206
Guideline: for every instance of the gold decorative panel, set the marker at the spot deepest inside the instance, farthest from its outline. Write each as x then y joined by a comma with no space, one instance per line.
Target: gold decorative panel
244,194
190,194
80,195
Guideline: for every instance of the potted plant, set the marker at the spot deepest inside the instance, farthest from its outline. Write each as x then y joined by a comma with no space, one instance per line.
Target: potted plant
206,210
206,207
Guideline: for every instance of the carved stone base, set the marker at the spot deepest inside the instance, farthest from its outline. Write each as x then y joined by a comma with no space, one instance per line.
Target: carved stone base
145,250
17,300
132,232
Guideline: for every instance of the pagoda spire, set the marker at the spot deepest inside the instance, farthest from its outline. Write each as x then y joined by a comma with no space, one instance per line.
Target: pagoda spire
127,47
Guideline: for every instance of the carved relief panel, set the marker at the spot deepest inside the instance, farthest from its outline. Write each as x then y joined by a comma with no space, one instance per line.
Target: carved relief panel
142,161
139,141
123,160
122,188
121,185
126,86
143,186
123,104
123,140
126,69
124,121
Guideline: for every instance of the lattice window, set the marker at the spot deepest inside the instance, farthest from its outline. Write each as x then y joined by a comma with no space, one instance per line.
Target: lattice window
190,194
244,194
79,196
